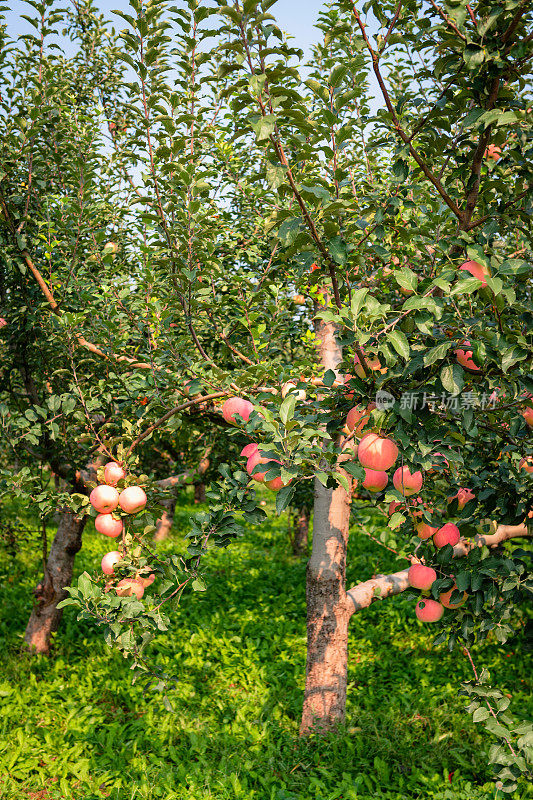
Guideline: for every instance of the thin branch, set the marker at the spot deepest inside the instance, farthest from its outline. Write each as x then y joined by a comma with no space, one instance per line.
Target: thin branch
401,133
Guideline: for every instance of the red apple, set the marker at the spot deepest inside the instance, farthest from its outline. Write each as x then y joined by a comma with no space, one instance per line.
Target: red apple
527,464
463,496
276,483
494,152
445,598
448,534
373,364
132,499
407,483
113,473
425,531
421,577
358,418
109,560
429,610
255,459
477,270
249,449
375,481
108,525
3,322
527,413
464,358
236,405
104,498
145,580
129,586
376,452
394,506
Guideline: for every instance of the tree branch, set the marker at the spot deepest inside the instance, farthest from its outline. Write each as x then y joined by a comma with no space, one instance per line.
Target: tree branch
364,594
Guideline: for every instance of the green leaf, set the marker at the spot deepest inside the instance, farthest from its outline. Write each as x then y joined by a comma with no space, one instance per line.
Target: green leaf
436,353
198,585
288,231
264,127
452,378
286,411
283,498
480,714
399,341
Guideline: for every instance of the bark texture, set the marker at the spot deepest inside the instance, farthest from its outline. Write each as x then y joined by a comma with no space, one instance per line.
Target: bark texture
163,525
199,492
327,613
300,531
45,617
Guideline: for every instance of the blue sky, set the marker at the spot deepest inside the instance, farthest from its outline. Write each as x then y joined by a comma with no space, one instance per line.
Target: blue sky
296,17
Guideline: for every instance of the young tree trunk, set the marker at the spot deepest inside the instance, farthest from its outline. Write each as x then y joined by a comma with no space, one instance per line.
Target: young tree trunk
327,612
300,531
199,492
163,525
45,617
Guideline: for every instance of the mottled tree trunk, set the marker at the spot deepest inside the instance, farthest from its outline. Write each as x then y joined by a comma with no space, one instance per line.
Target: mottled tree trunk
327,613
300,531
199,492
327,609
164,523
45,617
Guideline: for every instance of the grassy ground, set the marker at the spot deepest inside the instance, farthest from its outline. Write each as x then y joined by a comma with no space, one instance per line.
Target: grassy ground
73,726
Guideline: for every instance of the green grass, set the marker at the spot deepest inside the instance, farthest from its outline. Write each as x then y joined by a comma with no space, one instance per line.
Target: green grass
73,726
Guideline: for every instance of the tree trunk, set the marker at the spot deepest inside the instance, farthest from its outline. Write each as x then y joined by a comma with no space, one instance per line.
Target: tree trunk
45,617
164,523
327,613
199,492
327,609
300,531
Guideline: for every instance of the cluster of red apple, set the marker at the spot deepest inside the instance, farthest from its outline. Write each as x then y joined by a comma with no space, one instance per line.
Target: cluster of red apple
105,499
427,609
237,405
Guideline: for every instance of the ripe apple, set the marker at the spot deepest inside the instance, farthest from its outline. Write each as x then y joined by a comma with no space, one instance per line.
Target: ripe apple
463,496
407,483
425,531
394,505
527,464
276,483
128,586
477,270
445,598
104,498
429,610
373,364
376,452
236,405
249,449
255,459
145,580
132,499
299,299
3,322
358,418
111,248
375,481
113,473
109,560
108,525
464,358
527,413
448,534
494,152
421,577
